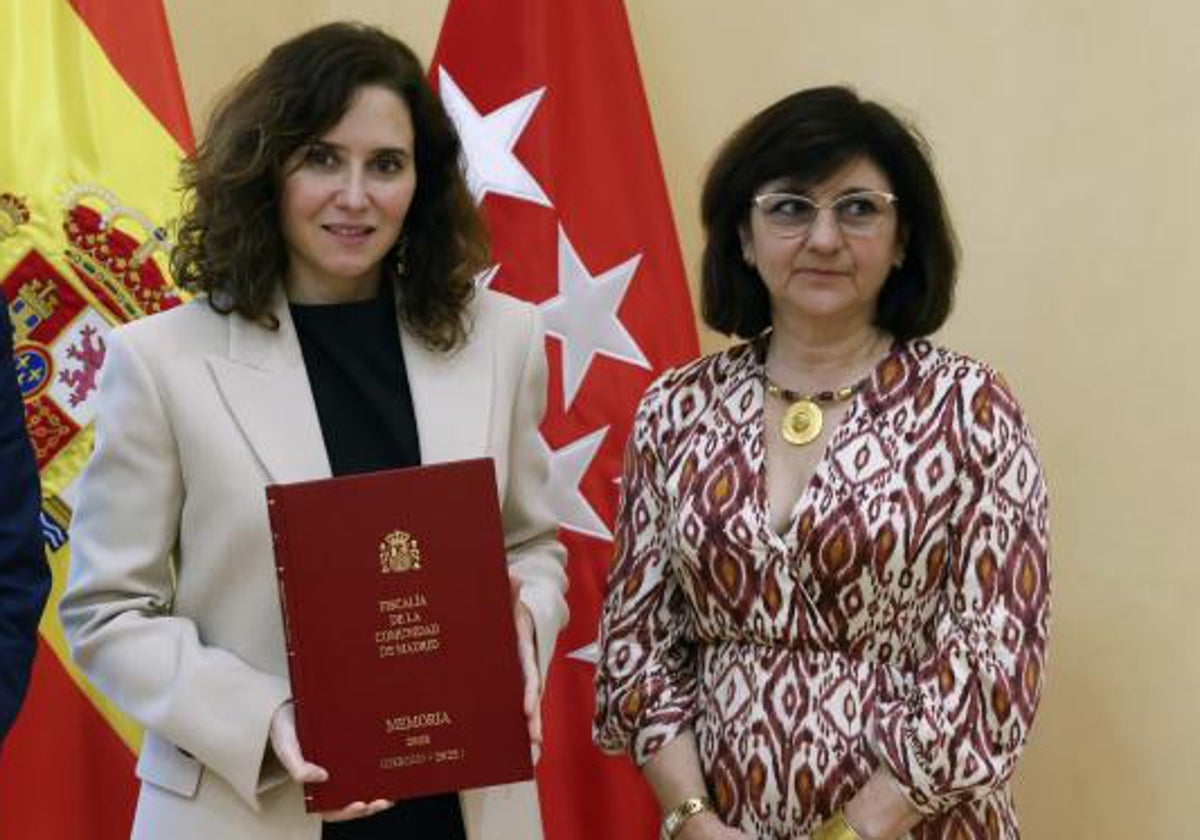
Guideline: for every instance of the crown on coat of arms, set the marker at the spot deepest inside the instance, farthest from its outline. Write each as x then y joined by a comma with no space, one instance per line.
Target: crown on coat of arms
112,259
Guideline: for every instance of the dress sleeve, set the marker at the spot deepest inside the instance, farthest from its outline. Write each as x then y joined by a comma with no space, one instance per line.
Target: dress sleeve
957,733
646,678
117,610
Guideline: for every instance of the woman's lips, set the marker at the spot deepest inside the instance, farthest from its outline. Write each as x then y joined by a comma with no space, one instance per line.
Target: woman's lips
823,272
349,232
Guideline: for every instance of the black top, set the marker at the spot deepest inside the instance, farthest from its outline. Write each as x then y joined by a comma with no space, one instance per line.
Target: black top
356,368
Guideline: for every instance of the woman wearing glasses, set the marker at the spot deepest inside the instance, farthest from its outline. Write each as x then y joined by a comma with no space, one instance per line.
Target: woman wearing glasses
827,614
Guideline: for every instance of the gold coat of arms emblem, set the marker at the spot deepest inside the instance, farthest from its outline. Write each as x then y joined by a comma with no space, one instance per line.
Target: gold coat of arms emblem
399,552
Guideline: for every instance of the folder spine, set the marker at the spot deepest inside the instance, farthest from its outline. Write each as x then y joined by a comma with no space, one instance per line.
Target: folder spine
277,519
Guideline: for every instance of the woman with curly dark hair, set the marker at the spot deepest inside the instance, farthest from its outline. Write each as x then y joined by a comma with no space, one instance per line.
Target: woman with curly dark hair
330,233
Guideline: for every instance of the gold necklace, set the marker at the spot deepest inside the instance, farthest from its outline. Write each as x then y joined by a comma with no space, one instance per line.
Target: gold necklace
803,419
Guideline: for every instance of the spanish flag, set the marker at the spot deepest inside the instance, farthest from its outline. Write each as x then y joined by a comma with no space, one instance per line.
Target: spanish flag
92,127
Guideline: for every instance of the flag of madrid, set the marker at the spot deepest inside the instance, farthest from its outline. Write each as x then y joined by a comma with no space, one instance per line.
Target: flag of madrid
561,156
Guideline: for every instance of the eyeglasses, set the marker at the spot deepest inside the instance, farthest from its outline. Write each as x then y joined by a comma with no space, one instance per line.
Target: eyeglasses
791,216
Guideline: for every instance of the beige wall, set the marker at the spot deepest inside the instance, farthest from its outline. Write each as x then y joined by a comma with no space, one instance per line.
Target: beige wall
1068,137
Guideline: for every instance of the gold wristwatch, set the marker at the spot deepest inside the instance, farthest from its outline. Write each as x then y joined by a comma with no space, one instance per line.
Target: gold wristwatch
673,822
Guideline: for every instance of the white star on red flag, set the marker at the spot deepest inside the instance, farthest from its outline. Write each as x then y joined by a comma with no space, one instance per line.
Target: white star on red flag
488,143
588,653
584,316
567,468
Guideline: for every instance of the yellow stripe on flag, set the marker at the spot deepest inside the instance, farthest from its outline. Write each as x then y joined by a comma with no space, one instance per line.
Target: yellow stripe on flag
68,119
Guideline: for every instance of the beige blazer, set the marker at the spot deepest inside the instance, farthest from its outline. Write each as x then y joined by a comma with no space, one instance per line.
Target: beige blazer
172,608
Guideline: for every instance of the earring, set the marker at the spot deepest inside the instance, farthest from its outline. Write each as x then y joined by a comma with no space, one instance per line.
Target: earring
399,267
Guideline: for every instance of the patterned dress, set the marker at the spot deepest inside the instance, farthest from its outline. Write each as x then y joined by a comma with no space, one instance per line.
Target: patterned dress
901,620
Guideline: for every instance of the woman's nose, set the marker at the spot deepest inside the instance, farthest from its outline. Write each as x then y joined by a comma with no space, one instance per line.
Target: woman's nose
353,191
825,234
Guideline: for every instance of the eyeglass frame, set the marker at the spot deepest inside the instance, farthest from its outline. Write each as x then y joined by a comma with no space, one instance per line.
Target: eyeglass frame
891,199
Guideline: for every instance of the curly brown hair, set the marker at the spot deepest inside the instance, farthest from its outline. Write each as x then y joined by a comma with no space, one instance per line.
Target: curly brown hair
229,240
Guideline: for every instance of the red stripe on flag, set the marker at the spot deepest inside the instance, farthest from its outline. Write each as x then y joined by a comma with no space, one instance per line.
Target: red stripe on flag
137,40
76,777
561,153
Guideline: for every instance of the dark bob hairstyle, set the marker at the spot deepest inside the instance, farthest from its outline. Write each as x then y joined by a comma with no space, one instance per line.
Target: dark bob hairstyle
230,242
808,137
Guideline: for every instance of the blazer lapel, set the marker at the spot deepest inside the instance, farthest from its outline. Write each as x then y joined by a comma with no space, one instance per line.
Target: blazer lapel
451,395
265,387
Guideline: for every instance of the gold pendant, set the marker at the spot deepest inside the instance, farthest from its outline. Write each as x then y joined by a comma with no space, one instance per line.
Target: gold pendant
802,422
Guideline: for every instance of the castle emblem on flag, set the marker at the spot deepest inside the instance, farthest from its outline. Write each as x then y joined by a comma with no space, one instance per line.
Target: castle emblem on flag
34,302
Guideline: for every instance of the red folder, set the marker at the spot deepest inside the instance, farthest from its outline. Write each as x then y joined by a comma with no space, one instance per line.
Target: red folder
401,641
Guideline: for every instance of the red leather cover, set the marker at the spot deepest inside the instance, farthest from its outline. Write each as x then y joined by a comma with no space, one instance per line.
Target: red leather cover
403,662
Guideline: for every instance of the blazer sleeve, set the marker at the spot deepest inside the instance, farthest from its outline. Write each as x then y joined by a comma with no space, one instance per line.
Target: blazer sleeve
535,556
24,575
117,610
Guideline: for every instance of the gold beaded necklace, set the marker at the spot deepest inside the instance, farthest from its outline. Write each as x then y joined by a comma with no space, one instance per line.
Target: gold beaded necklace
803,419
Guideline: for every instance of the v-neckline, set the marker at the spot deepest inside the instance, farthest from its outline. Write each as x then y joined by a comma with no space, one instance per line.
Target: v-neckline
786,540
